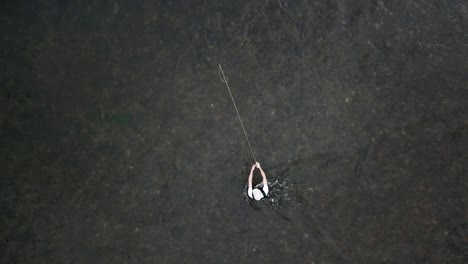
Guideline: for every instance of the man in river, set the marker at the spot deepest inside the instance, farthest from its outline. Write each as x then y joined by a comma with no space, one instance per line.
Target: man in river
261,190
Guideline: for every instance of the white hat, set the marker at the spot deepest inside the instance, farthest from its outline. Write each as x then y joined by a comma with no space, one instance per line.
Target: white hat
257,194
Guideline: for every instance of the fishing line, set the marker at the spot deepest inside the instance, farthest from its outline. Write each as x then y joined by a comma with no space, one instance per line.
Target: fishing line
237,111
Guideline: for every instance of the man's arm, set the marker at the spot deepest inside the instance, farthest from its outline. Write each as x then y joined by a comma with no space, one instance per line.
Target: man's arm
251,176
262,172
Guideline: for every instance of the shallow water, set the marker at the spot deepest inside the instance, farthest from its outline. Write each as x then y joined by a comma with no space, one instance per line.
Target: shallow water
120,143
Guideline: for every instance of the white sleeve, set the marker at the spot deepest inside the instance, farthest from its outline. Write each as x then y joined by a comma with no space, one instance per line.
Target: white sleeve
265,188
249,193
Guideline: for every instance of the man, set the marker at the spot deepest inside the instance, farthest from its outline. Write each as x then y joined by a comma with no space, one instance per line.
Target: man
261,190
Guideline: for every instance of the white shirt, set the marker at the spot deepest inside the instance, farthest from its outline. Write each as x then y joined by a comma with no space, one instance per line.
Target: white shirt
256,193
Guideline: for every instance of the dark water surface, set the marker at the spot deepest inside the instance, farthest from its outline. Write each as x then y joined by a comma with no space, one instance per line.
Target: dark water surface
119,142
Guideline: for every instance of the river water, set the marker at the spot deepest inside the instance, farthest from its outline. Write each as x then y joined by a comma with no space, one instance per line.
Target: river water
120,143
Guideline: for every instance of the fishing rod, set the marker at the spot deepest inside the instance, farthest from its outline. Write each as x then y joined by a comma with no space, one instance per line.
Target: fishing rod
224,79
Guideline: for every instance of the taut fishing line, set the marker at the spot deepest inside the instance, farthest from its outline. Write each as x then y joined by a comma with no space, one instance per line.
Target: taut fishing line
224,79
